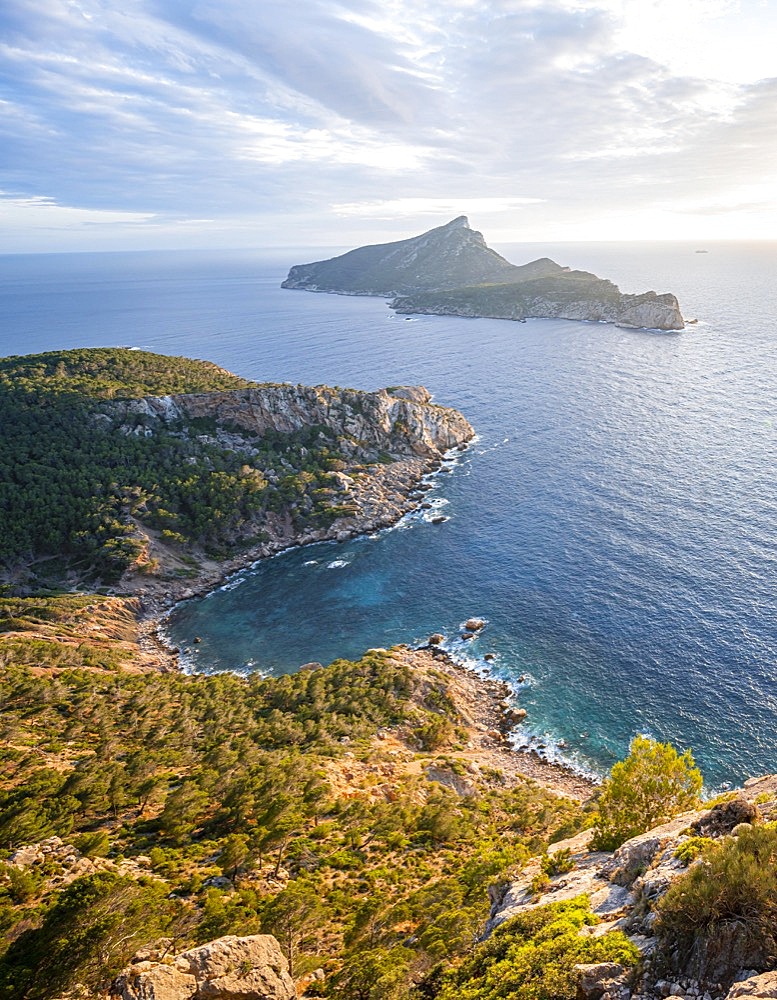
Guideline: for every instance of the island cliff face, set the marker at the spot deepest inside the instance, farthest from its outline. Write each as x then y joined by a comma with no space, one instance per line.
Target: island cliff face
451,271
577,295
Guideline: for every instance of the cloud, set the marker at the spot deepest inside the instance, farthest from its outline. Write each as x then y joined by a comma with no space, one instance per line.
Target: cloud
543,116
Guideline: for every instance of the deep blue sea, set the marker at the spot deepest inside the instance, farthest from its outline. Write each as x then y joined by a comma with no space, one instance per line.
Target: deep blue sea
615,523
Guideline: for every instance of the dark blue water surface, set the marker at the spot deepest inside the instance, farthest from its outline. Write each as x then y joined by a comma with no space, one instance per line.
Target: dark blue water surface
615,522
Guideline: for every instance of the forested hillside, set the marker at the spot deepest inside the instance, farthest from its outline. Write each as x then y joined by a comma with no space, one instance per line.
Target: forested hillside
113,458
74,484
192,807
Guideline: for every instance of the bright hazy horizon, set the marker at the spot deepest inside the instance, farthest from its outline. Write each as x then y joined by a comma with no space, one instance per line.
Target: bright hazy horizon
157,125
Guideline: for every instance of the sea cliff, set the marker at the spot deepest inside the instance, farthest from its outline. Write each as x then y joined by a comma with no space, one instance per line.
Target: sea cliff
162,474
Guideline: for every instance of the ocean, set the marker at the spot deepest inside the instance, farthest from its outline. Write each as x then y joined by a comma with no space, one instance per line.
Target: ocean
615,522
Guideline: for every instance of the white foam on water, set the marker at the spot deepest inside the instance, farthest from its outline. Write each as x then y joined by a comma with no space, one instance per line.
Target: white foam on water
522,737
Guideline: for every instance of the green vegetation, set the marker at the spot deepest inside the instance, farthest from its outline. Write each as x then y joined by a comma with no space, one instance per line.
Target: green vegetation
558,863
650,786
723,912
689,850
95,923
516,299
351,857
112,373
67,630
532,956
78,476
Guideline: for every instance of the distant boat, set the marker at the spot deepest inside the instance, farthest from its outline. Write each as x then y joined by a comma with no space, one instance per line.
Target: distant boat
701,251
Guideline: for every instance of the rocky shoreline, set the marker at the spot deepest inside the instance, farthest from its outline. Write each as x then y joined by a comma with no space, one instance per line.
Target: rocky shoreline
393,492
485,702
390,492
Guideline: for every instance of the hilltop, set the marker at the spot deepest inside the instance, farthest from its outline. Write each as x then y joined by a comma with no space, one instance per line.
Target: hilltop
451,270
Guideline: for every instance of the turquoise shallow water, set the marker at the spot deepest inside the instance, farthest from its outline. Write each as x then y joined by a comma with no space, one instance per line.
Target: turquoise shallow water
615,522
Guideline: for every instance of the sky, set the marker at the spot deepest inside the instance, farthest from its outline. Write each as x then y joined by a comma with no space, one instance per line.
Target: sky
249,123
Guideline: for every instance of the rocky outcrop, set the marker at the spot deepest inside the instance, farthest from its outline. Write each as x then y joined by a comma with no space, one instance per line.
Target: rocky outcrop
451,271
231,968
624,887
58,863
758,987
575,295
401,421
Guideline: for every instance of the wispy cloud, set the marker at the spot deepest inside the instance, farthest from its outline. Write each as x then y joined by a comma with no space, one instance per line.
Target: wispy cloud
546,118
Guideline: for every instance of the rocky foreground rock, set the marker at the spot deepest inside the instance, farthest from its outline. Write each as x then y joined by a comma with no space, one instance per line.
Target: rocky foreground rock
451,271
624,887
230,968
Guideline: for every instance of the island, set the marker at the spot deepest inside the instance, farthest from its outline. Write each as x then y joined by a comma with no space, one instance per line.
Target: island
451,271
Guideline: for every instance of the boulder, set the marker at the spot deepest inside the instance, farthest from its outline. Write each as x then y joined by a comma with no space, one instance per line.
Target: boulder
474,624
26,856
763,987
240,968
148,981
594,981
230,968
436,639
632,858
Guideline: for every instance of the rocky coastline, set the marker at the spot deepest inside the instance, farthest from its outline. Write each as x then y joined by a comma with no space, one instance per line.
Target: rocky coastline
400,489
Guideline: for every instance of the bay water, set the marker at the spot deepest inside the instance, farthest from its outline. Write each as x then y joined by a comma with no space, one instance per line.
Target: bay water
615,522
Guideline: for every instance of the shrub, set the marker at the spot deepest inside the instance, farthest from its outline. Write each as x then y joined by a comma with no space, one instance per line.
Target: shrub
532,956
725,905
691,848
558,863
650,786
